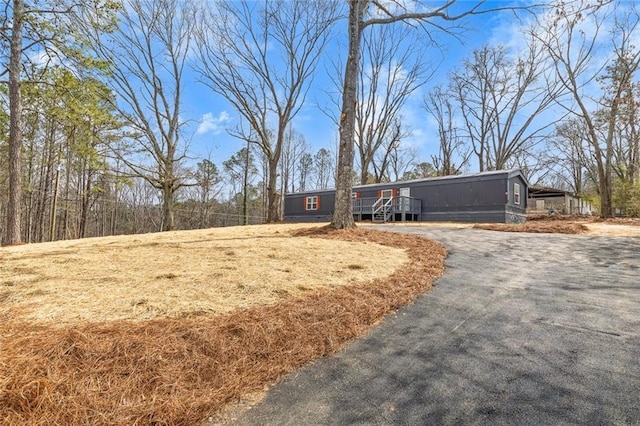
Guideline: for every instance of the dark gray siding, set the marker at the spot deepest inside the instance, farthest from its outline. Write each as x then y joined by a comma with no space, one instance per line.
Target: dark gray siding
465,200
294,207
516,213
481,197
461,199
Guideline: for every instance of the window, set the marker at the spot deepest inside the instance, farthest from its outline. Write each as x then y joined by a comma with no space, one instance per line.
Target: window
387,193
516,193
312,203
355,195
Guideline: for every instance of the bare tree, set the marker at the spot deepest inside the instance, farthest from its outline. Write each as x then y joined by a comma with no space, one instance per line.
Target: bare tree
501,100
572,36
391,69
324,167
363,14
208,181
453,153
626,164
306,171
262,56
571,154
295,147
400,158
389,151
241,170
627,139
147,55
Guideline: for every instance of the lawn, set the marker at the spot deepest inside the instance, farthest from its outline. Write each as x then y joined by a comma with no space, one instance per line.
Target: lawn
168,328
180,273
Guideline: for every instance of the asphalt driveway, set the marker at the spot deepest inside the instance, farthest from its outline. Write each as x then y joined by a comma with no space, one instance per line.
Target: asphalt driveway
521,329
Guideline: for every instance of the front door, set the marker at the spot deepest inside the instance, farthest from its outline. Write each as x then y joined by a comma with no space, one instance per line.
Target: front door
405,202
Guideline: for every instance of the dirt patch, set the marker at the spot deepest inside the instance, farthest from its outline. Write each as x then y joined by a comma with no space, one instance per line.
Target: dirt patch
608,229
180,370
180,273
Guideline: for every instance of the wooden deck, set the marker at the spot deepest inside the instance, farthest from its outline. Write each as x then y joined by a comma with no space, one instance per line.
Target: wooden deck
387,209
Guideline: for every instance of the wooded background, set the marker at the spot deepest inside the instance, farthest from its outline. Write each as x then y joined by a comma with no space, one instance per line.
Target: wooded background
93,142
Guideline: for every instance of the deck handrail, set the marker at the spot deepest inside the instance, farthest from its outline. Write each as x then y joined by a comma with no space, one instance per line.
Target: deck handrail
377,202
384,207
398,204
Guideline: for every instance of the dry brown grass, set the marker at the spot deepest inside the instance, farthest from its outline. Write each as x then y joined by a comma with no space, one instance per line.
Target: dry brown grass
179,370
179,273
615,229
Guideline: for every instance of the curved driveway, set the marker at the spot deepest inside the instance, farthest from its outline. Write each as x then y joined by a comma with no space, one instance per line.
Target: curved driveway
521,329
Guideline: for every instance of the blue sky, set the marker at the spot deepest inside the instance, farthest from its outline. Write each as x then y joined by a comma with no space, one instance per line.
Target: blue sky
210,114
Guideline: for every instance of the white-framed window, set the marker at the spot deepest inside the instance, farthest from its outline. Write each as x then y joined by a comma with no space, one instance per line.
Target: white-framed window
311,203
516,193
355,195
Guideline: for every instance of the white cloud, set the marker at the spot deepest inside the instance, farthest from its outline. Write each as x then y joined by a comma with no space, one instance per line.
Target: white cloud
211,124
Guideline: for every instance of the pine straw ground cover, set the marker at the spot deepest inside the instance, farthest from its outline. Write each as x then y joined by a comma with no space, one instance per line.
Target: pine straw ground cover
570,224
539,227
180,370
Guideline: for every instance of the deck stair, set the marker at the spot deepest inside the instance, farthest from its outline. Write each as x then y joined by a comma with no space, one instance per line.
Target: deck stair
382,210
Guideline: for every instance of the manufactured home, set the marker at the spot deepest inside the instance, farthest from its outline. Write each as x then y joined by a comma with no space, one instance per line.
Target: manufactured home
496,196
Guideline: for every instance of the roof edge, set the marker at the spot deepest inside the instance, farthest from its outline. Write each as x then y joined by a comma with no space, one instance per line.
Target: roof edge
509,172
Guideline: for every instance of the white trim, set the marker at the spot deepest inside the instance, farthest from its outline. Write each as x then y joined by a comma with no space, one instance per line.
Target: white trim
516,193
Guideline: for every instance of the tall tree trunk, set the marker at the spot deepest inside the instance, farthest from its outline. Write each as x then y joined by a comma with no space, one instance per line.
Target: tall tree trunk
114,210
15,132
29,184
633,150
606,178
67,188
245,187
46,181
273,199
168,192
343,211
168,217
85,200
54,205
480,154
364,170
